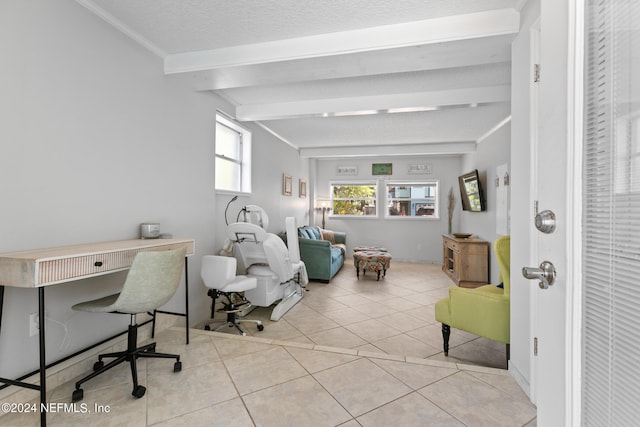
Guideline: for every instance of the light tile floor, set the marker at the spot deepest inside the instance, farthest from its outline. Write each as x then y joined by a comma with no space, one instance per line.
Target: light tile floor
394,316
326,363
248,381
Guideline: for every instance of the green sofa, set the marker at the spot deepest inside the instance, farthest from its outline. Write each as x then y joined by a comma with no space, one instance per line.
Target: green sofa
323,251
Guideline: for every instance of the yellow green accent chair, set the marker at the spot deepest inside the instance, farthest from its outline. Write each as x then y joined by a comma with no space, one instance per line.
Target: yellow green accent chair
482,311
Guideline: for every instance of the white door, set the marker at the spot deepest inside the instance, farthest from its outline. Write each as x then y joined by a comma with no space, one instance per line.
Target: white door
554,168
587,171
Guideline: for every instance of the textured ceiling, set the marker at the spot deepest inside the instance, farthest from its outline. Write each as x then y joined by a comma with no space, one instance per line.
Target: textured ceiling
186,25
331,73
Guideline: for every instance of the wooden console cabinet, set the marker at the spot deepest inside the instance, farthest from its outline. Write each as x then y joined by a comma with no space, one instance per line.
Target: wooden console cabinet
465,261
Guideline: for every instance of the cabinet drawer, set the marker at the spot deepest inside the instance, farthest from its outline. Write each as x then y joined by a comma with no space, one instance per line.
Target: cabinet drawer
56,270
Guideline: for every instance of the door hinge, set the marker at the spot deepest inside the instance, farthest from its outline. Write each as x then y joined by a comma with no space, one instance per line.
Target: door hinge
535,346
536,73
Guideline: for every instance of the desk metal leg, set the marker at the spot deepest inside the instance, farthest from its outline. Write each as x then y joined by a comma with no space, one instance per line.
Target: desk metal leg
43,365
186,305
1,304
186,296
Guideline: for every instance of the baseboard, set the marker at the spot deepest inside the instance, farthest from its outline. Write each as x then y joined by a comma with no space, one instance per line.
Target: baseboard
520,379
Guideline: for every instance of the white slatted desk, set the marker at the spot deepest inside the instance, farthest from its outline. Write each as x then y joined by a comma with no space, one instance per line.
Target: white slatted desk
40,268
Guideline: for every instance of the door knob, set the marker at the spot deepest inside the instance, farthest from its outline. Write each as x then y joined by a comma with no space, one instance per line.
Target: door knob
546,274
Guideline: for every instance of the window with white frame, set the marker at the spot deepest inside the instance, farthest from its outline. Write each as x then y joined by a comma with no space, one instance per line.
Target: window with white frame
354,199
412,199
233,156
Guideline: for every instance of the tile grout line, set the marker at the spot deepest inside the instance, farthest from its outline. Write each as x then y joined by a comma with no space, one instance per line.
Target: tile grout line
385,356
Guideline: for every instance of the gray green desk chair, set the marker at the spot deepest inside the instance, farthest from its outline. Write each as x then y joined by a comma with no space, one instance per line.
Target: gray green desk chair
151,282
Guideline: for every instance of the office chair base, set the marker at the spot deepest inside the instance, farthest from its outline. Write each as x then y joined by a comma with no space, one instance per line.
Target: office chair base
139,391
234,308
232,321
130,355
231,309
236,324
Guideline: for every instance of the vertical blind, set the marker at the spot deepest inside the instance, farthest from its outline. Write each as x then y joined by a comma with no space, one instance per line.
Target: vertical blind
611,209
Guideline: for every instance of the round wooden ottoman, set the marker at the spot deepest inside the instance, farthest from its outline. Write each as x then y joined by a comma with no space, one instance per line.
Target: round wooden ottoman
377,261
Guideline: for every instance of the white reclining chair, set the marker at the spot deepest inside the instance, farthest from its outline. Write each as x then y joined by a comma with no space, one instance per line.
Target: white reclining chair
254,214
265,256
294,251
219,275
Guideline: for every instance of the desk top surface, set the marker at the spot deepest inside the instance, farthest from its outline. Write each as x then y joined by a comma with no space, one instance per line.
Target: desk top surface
91,248
47,266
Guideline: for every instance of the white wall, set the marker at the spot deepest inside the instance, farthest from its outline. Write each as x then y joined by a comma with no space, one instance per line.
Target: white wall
494,151
96,139
420,240
408,239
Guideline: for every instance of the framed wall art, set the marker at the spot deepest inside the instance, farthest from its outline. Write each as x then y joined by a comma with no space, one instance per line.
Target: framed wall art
381,168
347,170
287,184
420,169
303,188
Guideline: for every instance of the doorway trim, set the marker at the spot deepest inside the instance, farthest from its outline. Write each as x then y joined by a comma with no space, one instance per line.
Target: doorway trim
575,137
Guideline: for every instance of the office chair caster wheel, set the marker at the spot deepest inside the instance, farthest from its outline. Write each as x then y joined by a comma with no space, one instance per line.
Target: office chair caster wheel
77,395
139,391
177,367
260,327
151,349
207,328
98,365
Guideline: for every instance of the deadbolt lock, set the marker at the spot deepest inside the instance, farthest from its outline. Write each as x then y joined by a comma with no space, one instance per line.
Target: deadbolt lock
546,221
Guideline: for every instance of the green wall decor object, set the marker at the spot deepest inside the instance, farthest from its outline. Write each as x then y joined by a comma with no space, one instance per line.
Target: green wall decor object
381,168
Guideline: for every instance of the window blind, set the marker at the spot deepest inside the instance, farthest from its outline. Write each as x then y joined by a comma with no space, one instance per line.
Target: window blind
611,209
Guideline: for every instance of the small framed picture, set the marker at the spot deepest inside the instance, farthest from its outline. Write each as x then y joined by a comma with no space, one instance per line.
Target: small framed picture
287,184
381,168
303,188
420,169
347,170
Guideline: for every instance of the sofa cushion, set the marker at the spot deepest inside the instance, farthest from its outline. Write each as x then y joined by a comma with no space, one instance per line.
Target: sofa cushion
309,232
313,231
302,232
327,235
341,246
336,254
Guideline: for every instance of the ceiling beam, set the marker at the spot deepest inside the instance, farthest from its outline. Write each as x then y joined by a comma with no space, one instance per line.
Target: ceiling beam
375,104
439,148
464,53
436,30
